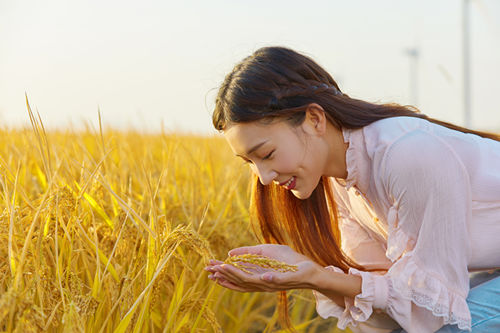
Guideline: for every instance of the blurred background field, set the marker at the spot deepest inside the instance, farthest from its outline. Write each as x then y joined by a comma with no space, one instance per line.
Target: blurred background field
109,231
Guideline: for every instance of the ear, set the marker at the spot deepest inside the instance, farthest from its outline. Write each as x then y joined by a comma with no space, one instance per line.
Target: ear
315,120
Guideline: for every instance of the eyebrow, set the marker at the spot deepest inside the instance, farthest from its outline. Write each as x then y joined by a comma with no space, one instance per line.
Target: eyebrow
254,148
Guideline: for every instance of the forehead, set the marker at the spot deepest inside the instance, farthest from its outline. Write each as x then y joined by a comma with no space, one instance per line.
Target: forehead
243,136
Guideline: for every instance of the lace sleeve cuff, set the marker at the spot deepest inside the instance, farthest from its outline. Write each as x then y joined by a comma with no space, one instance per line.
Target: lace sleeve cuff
374,293
325,307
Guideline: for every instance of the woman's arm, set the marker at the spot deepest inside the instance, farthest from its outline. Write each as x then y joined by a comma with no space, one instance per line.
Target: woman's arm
335,285
310,275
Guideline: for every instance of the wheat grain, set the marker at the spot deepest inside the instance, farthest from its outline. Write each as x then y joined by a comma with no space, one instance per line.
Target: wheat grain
259,260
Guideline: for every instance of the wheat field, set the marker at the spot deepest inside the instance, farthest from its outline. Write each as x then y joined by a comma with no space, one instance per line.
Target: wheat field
109,231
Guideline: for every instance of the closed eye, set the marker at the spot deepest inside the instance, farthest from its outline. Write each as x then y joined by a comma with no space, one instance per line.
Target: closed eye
268,155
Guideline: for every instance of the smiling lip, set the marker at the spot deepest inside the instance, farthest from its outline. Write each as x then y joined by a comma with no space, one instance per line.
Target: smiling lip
291,183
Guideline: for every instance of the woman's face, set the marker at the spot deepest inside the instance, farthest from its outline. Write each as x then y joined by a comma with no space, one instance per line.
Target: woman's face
293,157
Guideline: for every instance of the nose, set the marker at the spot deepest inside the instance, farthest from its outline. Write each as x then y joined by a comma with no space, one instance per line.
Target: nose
266,175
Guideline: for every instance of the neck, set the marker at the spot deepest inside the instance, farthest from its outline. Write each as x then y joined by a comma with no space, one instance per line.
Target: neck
336,165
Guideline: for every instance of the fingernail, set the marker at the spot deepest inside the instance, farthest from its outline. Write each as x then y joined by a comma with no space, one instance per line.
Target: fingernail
267,277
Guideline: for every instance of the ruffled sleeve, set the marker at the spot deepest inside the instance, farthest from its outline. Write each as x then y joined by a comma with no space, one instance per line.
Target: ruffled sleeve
357,313
427,285
357,244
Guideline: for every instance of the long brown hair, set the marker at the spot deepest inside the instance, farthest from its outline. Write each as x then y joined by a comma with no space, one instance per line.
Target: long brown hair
279,82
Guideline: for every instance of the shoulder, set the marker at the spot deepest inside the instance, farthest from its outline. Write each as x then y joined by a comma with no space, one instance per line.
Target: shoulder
410,150
386,131
421,165
416,150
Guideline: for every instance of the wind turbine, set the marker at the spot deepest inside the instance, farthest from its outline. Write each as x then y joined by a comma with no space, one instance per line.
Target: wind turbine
466,62
413,54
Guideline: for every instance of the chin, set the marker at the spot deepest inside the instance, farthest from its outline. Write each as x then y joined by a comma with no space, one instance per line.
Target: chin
301,195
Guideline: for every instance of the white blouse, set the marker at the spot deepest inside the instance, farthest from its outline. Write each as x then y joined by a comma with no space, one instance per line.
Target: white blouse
422,203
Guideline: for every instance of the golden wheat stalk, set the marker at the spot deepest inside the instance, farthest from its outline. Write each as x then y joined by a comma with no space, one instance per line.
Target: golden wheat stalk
259,260
87,226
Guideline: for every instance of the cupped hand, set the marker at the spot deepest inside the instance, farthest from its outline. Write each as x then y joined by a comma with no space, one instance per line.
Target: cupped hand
264,279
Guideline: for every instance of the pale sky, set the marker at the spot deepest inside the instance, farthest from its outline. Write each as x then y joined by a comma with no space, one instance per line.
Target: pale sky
148,64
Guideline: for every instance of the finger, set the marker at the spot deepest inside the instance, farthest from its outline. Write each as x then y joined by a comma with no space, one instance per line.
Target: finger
225,281
265,279
214,268
219,275
257,249
212,263
233,272
249,282
281,280
230,285
268,277
211,268
216,278
277,277
239,277
223,274
259,282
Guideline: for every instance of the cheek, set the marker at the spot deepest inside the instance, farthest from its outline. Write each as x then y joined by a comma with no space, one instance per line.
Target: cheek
312,165
288,164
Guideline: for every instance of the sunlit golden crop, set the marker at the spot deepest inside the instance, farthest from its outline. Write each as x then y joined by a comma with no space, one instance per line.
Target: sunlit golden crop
107,231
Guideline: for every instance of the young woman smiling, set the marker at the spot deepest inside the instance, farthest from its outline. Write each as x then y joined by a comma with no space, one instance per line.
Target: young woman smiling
384,210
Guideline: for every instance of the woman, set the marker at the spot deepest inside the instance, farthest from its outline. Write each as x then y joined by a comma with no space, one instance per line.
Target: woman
384,210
